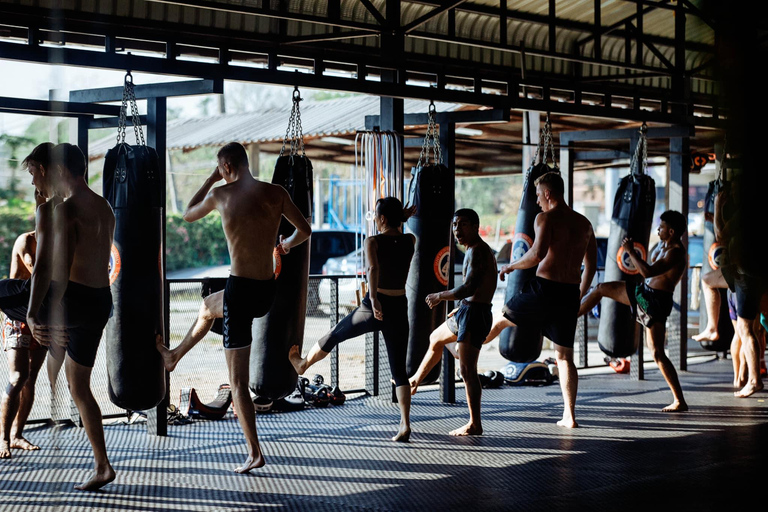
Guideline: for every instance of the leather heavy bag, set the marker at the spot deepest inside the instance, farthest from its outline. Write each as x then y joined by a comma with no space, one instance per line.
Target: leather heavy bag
134,187
712,261
523,344
632,217
431,191
272,375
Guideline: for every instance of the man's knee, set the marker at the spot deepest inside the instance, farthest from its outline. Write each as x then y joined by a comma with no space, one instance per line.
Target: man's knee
563,354
17,380
435,339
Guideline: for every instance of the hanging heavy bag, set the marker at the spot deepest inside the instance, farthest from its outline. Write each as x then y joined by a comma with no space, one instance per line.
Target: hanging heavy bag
632,217
431,191
133,187
272,375
713,260
522,344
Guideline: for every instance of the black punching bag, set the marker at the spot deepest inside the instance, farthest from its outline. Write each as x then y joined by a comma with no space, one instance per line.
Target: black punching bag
713,260
431,191
523,344
134,187
272,375
632,217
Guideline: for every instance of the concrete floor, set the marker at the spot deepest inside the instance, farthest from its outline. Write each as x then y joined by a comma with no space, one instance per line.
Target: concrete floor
627,455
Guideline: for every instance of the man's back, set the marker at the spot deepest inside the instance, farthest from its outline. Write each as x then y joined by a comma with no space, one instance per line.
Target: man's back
23,256
91,228
568,234
251,212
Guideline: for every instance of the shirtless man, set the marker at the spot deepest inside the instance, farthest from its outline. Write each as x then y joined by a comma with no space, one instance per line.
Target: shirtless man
651,300
70,301
251,212
470,322
563,240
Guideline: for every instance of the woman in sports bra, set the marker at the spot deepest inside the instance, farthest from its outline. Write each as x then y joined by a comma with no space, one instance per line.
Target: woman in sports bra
384,308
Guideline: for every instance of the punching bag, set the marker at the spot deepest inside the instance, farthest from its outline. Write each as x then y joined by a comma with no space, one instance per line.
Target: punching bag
712,261
272,375
431,191
523,344
134,187
632,217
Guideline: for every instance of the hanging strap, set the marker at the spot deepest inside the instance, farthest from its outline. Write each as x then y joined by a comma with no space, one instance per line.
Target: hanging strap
431,140
639,162
129,99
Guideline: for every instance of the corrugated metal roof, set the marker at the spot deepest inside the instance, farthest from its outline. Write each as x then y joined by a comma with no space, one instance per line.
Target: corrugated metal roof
336,117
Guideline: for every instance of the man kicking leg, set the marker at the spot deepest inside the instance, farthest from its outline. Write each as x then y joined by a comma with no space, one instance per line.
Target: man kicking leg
471,321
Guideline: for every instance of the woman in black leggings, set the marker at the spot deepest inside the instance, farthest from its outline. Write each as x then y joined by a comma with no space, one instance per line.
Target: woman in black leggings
384,308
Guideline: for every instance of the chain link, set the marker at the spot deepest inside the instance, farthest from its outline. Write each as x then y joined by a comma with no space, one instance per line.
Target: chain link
294,131
546,143
129,99
431,139
639,162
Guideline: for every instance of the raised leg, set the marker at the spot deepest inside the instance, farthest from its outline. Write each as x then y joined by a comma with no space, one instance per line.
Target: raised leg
18,373
437,340
569,385
500,322
616,290
79,379
211,309
711,283
468,356
238,363
655,336
26,400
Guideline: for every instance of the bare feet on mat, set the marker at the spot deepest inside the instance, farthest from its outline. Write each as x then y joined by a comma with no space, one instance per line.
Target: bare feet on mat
251,463
749,390
99,480
707,335
403,435
22,444
739,382
414,385
676,406
5,450
567,423
169,361
298,362
470,429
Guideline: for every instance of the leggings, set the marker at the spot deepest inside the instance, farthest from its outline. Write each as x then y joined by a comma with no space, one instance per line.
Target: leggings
394,327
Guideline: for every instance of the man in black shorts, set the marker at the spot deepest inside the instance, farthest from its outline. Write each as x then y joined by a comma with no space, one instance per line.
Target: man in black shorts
251,211
470,322
651,299
563,239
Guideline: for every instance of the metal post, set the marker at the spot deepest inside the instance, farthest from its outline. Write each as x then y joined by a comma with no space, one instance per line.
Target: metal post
334,320
582,339
677,189
448,363
157,423
567,161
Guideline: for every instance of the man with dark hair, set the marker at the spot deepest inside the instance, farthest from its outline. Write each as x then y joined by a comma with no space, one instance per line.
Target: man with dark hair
70,300
563,240
470,322
251,212
651,300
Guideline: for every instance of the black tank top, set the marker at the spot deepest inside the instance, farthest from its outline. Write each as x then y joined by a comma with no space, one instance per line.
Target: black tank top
394,254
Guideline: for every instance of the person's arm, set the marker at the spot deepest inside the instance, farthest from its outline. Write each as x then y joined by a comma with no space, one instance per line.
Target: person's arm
295,217
590,264
536,253
203,202
664,264
477,266
373,275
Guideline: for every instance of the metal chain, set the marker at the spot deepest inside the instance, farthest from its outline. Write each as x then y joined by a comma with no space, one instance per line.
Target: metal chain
129,97
294,129
639,162
546,143
431,139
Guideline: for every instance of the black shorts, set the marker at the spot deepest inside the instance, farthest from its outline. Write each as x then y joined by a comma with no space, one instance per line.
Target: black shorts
749,291
244,300
86,311
550,305
648,305
14,298
474,319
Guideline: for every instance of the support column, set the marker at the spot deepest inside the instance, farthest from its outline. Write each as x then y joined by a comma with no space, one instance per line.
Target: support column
448,363
254,157
567,160
157,418
636,368
677,190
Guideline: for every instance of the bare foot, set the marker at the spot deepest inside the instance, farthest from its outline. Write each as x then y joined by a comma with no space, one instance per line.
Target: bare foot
452,349
169,361
707,335
298,362
749,390
469,429
20,443
739,382
567,423
403,435
99,480
676,406
251,463
414,385
5,450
